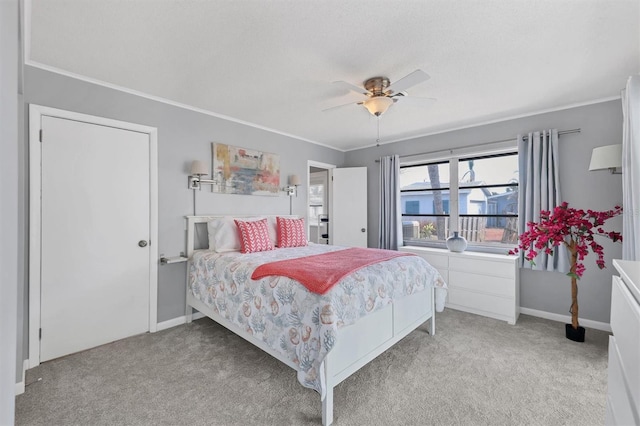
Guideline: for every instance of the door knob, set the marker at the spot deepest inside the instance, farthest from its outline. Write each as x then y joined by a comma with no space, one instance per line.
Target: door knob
142,243
363,230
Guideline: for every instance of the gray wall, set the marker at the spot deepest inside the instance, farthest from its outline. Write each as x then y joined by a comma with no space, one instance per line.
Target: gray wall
183,136
8,207
600,124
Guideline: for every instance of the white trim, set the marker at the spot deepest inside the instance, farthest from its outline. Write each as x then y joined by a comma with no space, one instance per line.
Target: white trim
497,120
164,325
21,385
34,237
311,163
153,228
35,168
97,82
597,325
92,119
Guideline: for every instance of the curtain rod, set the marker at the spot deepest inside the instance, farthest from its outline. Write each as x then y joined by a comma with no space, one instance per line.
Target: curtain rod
562,132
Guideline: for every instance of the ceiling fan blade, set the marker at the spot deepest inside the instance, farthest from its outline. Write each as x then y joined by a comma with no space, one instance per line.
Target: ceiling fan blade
331,108
416,77
352,87
414,101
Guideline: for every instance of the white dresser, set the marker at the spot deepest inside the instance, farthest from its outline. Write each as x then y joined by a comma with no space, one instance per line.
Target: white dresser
480,283
623,394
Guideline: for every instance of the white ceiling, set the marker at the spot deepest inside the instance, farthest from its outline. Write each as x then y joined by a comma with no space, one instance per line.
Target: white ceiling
271,63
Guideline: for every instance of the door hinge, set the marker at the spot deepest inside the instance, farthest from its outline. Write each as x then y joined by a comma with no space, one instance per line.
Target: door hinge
40,135
40,333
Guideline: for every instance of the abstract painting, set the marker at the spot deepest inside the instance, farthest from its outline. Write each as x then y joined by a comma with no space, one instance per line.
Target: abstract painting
245,171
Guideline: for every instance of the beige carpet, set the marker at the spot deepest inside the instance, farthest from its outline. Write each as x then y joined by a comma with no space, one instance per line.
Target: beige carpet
475,371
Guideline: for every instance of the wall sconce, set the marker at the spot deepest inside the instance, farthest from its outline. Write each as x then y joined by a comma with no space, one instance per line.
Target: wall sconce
292,188
199,169
607,157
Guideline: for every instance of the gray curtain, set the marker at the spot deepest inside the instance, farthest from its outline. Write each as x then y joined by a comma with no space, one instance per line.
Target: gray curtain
390,214
631,169
539,189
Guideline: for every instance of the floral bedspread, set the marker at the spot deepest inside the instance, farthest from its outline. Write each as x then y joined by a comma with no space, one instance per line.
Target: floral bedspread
289,318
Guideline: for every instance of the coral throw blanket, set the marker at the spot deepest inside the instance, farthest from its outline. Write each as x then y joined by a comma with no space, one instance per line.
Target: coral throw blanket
319,273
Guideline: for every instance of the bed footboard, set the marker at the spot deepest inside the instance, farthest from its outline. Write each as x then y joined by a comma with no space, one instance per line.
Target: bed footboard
360,343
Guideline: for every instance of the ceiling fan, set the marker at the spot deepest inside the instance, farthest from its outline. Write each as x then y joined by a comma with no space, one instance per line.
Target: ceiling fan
378,94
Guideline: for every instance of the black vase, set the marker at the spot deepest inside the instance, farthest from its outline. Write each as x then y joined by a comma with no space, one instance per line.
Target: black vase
573,334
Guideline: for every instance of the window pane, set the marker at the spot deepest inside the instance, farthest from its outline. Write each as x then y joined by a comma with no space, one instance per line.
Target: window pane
489,171
494,200
424,177
489,230
502,200
425,202
487,201
425,228
476,230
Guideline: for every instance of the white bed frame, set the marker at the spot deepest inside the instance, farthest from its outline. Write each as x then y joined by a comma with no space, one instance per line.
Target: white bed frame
356,344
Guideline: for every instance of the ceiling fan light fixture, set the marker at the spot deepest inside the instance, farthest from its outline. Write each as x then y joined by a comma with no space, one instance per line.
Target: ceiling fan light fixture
378,105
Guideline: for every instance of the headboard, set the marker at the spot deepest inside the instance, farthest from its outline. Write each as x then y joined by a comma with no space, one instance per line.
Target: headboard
193,221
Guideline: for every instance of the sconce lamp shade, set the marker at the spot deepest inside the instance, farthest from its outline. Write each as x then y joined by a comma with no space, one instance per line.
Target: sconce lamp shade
199,168
294,180
378,105
606,157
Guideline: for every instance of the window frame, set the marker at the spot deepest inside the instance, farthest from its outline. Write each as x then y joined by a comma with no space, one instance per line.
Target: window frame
454,197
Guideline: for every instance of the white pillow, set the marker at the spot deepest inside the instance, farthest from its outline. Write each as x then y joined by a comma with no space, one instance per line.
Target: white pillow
271,227
223,233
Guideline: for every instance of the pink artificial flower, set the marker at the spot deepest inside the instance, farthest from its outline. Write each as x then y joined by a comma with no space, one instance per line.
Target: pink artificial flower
575,228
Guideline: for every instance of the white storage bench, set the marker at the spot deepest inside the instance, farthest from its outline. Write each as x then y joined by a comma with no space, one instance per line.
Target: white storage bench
481,283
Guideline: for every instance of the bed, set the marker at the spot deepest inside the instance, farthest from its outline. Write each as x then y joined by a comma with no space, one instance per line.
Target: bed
324,337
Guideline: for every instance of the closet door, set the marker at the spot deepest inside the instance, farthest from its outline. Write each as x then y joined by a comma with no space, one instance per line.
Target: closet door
95,229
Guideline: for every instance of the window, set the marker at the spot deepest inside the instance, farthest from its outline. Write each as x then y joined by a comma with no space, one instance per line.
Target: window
445,206
412,207
481,203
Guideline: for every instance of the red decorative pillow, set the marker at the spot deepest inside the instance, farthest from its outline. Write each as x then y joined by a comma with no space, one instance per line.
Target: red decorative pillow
291,232
254,236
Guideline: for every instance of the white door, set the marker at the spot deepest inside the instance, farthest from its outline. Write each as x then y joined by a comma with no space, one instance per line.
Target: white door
95,230
349,207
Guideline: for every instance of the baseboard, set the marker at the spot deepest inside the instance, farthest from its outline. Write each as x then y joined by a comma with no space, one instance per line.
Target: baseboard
177,321
597,325
21,385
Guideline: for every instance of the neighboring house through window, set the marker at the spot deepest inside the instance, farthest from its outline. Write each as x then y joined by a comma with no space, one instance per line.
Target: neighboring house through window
412,207
445,206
